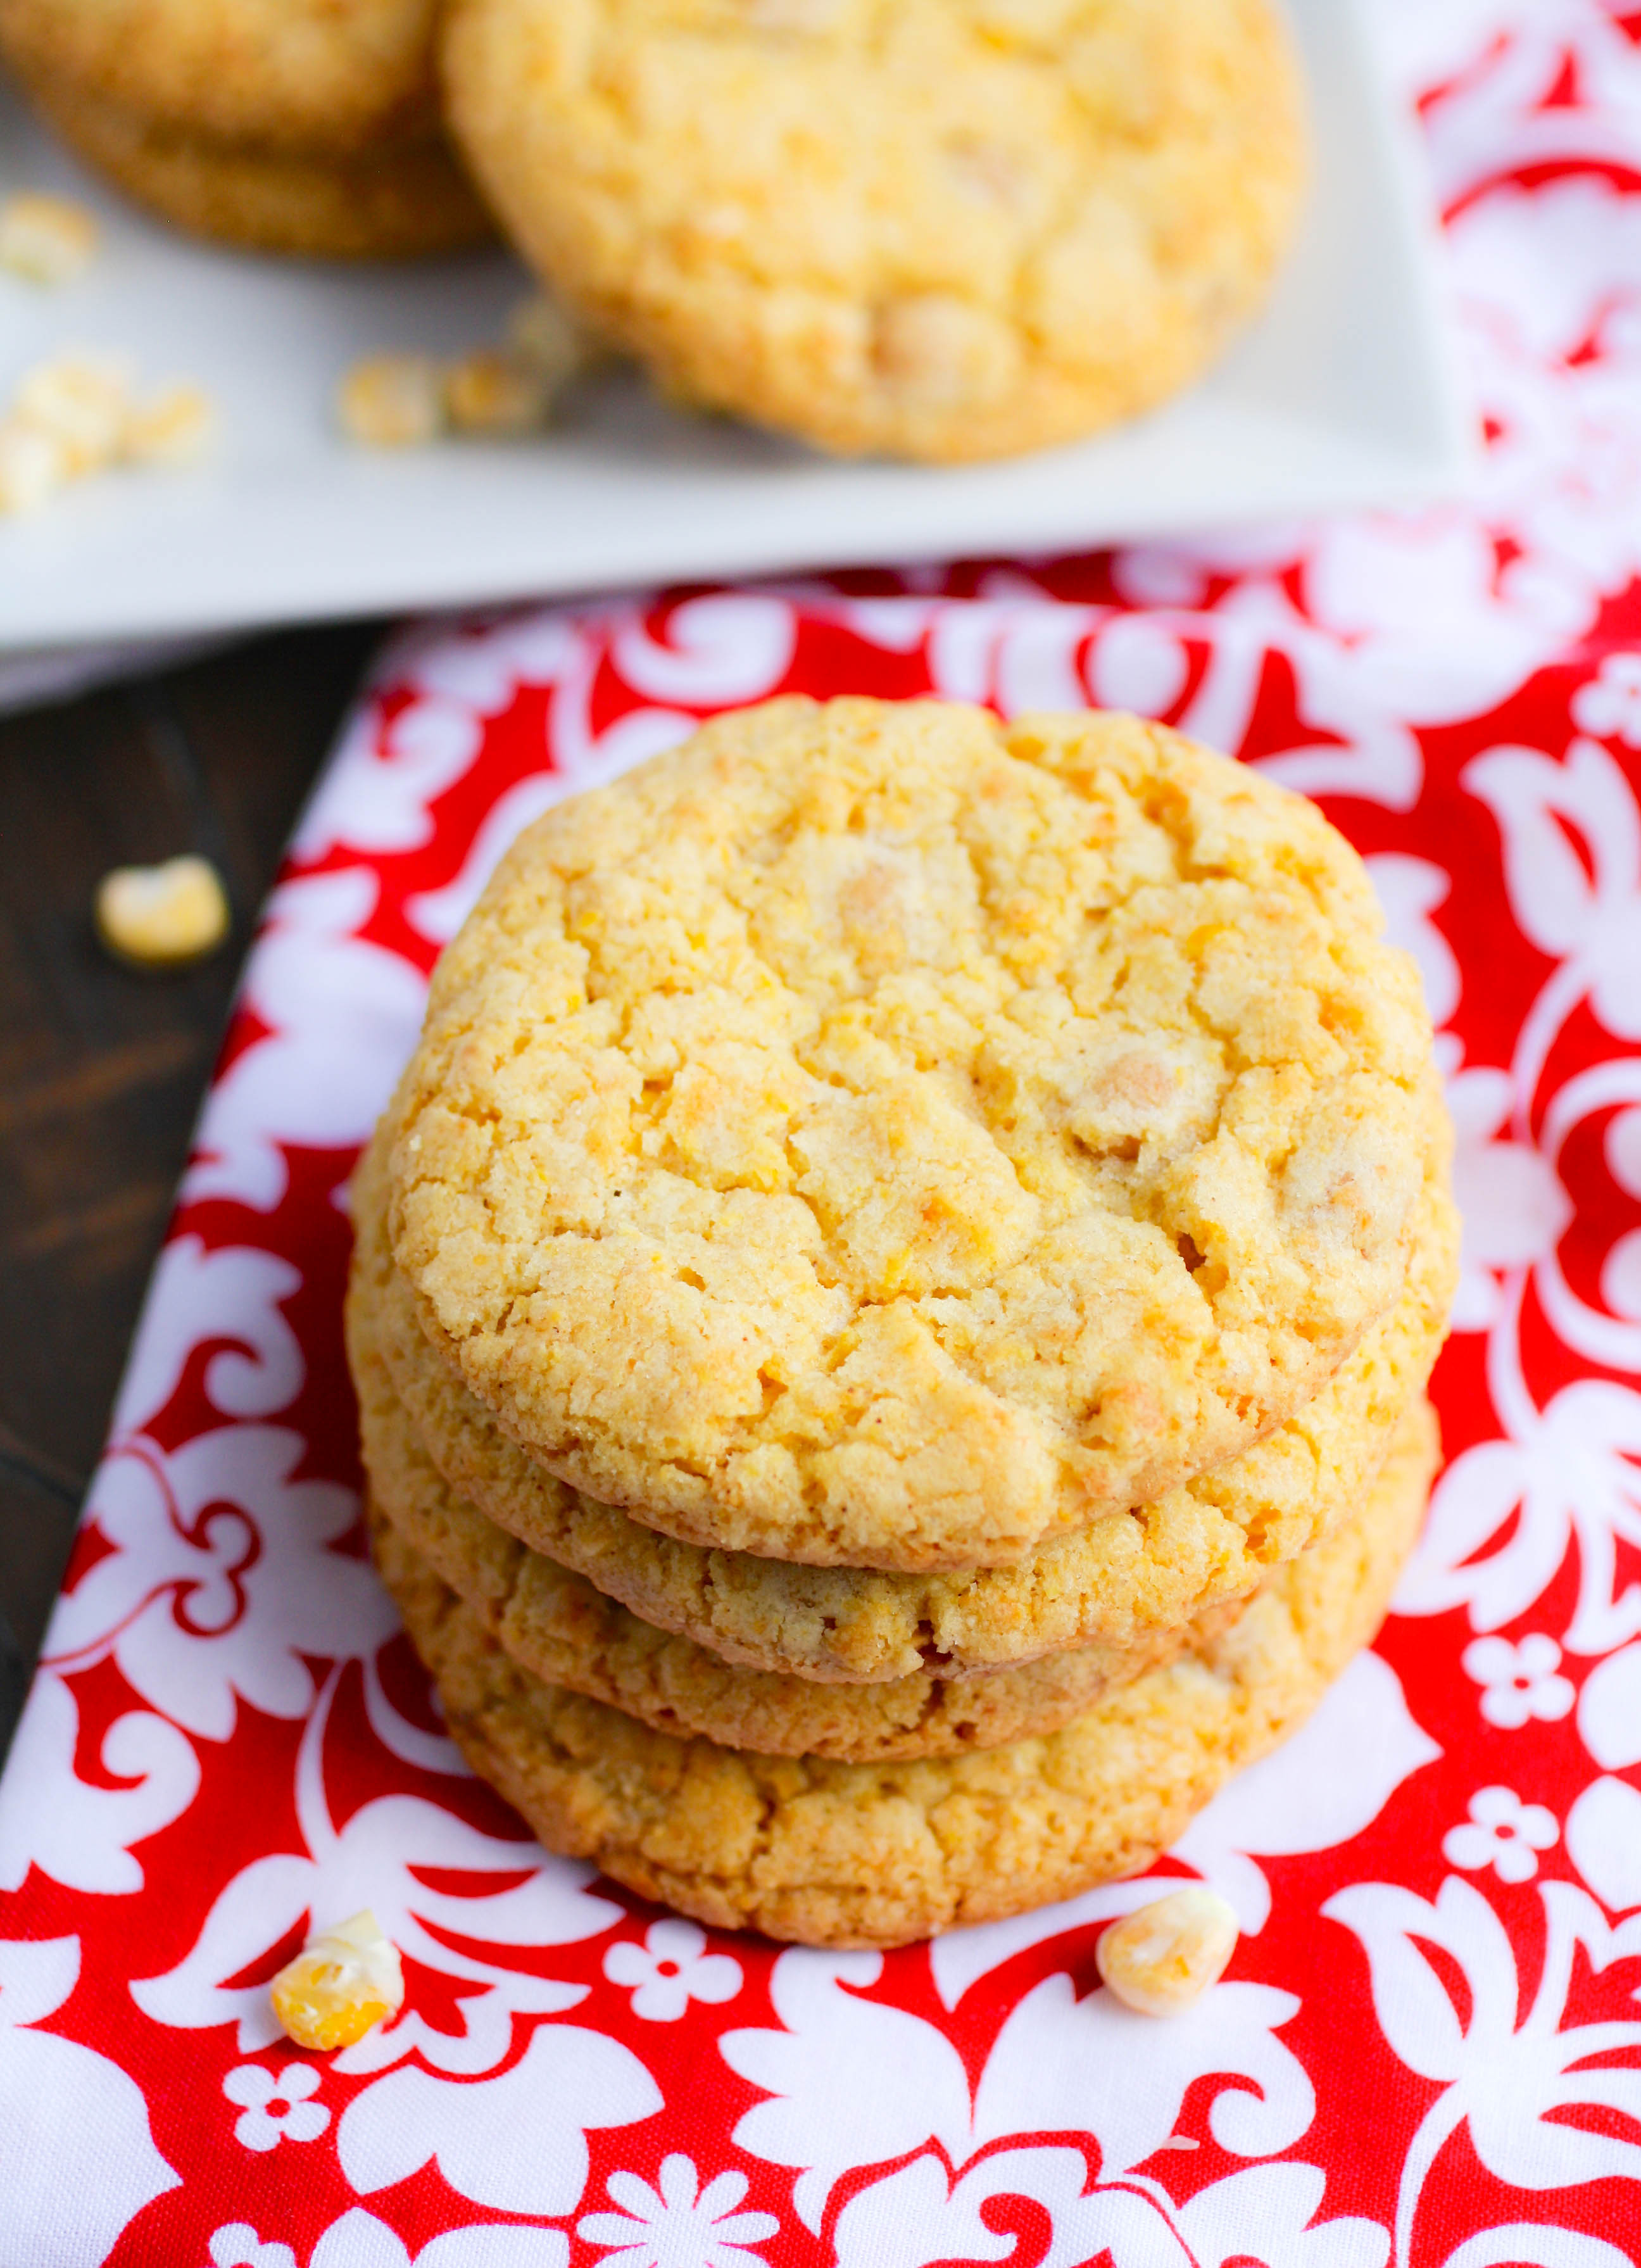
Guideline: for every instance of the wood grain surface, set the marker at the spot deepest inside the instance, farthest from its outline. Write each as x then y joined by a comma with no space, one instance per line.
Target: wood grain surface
101,1067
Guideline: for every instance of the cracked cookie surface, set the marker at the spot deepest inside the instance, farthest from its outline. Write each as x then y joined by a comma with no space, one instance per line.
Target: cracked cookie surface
941,228
875,1135
1114,1583
882,1854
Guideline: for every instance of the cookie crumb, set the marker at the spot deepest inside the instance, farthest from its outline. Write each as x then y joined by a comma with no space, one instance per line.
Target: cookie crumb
173,427
161,916
540,333
32,466
48,239
74,414
392,402
1161,1958
406,401
497,392
344,1981
83,401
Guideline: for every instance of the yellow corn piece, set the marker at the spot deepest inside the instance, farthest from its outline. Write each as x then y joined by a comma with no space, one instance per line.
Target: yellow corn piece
344,1980
161,916
392,402
1161,1958
46,238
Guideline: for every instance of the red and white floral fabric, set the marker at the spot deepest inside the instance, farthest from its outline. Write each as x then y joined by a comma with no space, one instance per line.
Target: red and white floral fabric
1429,2048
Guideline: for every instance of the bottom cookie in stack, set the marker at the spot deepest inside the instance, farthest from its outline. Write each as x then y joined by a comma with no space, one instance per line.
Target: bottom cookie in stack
827,1852
384,201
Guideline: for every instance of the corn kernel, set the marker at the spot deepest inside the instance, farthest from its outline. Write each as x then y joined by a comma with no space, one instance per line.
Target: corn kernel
392,402
541,334
83,402
1161,1958
497,392
46,238
32,464
160,916
343,1981
174,427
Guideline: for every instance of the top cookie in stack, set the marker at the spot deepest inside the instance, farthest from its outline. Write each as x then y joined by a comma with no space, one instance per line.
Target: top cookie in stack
894,1201
879,1136
305,126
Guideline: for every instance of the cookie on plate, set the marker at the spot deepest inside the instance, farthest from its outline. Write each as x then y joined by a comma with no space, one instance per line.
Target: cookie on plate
388,201
876,1135
944,229
1114,1584
292,125
289,74
880,1854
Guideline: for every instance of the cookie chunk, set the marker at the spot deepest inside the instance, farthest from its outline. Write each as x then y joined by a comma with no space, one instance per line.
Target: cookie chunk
882,1854
944,229
1113,1585
877,1135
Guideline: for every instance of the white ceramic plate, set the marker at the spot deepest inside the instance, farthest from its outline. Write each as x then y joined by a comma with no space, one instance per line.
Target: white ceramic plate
1344,396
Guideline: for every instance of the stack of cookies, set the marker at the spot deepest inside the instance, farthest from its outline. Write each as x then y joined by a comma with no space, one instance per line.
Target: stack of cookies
308,126
939,229
892,1309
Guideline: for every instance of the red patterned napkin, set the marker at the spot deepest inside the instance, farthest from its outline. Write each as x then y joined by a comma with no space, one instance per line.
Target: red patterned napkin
1429,2048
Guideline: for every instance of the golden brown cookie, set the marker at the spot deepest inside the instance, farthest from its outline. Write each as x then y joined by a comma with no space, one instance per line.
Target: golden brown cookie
877,1135
555,1624
880,1854
391,201
1114,1584
319,76
944,229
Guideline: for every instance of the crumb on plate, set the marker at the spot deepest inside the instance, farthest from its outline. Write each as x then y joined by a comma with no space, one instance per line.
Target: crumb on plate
48,239
33,465
392,402
82,401
498,392
173,427
406,401
75,414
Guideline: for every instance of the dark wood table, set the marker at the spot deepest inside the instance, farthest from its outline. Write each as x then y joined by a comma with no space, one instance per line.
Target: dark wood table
102,1069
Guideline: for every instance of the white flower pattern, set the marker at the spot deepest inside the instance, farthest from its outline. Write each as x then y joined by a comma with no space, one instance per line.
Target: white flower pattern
670,1968
1512,1202
1501,1832
236,2244
1519,1682
1503,2072
358,2239
678,2224
1608,707
278,2106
